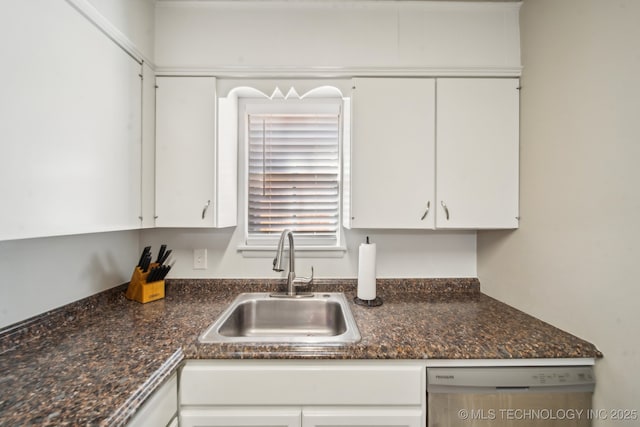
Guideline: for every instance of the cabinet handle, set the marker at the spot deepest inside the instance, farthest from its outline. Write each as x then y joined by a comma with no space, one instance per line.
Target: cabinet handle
446,209
206,207
424,215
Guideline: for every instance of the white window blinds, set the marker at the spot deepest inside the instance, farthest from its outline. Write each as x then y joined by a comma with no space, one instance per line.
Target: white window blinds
294,170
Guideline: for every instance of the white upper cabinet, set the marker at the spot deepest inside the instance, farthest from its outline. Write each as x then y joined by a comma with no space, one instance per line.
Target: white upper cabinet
477,153
70,125
438,37
392,153
187,165
185,151
433,153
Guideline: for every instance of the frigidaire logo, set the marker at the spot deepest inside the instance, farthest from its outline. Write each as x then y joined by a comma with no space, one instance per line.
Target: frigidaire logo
445,377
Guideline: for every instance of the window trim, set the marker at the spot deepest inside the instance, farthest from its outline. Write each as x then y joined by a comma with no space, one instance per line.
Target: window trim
307,246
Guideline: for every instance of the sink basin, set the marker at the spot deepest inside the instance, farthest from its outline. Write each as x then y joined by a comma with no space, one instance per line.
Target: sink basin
323,318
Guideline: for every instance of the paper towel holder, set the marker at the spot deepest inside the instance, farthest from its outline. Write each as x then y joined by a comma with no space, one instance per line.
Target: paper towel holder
377,302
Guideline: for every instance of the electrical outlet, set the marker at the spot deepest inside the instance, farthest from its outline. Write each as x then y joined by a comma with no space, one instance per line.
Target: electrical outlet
199,259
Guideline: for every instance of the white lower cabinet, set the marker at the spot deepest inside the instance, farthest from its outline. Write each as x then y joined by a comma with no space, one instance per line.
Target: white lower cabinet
160,409
303,393
365,417
301,417
228,417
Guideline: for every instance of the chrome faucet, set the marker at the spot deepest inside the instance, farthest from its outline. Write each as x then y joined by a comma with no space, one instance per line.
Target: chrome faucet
292,281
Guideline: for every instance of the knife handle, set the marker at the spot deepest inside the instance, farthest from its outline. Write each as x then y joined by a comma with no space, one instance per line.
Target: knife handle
164,272
146,250
152,273
146,262
164,257
161,253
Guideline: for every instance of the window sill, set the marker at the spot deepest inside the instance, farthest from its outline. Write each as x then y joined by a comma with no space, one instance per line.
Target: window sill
301,251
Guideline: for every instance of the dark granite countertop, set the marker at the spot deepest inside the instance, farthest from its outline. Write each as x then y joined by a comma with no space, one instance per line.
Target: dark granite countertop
95,361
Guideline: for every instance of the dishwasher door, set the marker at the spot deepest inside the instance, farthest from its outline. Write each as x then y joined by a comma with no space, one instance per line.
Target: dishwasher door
514,397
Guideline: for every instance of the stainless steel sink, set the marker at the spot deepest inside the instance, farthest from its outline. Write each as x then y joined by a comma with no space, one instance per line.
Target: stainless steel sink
324,318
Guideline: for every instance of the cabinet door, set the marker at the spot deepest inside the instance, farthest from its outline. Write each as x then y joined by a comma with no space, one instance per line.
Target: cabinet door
70,117
160,409
477,153
363,417
392,153
241,416
185,151
286,383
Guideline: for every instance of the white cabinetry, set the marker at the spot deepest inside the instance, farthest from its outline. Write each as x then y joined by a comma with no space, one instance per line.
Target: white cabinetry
160,409
70,125
300,393
433,153
477,153
187,160
241,417
392,153
370,417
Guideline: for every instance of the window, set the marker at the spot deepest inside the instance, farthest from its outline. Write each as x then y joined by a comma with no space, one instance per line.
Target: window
293,171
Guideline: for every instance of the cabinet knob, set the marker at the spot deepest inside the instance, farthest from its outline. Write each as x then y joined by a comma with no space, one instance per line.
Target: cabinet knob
424,215
446,209
206,207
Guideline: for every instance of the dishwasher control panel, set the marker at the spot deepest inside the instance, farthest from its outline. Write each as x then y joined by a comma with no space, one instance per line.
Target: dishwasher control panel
563,376
511,377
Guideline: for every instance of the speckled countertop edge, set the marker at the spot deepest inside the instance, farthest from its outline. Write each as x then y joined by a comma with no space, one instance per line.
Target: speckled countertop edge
219,292
124,413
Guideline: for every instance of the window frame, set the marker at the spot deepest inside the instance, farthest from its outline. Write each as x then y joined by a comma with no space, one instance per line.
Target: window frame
252,105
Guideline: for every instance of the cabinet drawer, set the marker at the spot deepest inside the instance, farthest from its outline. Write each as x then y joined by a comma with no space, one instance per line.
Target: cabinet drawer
302,383
359,417
241,417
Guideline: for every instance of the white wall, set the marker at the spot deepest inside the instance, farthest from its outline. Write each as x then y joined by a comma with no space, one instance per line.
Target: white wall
573,261
40,274
399,254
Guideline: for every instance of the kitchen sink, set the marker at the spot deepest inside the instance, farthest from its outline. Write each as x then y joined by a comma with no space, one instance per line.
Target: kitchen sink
323,318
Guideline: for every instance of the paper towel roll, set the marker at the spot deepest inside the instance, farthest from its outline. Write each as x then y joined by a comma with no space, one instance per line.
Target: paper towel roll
367,271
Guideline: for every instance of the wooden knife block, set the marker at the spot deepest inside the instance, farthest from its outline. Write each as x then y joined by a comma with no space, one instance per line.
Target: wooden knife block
141,291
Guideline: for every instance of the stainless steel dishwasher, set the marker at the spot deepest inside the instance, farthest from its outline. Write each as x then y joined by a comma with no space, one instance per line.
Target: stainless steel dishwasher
513,396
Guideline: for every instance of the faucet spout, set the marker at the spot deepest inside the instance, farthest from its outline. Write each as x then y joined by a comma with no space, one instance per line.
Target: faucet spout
277,261
287,234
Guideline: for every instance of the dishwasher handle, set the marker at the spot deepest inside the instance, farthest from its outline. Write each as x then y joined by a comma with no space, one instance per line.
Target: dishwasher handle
439,389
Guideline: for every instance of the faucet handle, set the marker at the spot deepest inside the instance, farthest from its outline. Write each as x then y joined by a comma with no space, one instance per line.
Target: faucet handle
304,281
